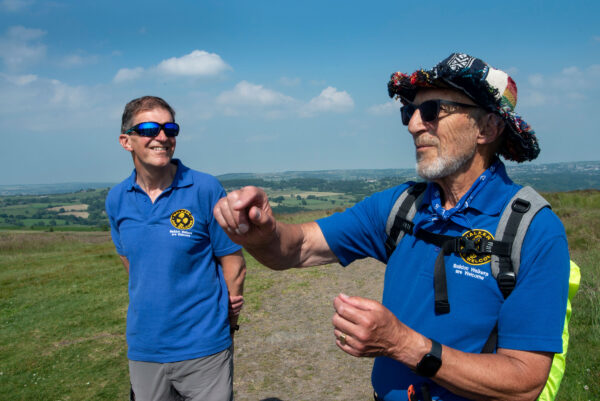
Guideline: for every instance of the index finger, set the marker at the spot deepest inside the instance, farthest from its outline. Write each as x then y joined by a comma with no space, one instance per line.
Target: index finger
247,197
227,218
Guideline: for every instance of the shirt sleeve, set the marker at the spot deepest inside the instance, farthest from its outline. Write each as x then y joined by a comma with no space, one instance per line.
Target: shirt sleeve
532,317
359,231
114,229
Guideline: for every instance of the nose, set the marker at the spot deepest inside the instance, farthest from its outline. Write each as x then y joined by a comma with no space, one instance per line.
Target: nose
416,123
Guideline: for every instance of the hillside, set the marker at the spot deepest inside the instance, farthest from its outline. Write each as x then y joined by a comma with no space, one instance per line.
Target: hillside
64,300
80,206
544,177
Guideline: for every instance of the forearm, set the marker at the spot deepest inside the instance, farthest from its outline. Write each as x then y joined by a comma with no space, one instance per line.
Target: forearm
234,272
508,374
366,328
294,245
125,262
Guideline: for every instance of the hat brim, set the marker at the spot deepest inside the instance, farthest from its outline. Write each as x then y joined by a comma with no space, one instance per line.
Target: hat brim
520,143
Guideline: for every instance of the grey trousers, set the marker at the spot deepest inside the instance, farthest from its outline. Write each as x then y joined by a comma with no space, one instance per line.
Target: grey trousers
209,378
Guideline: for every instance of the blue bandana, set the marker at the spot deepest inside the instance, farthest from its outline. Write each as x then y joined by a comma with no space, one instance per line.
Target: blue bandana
454,214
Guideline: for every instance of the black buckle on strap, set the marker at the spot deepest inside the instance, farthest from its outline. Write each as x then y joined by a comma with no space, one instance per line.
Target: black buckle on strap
466,246
506,282
520,205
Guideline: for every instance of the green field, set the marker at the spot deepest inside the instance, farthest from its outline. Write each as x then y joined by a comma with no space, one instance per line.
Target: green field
63,301
55,212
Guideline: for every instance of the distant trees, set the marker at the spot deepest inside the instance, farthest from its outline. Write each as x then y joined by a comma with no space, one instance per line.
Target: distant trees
38,213
357,188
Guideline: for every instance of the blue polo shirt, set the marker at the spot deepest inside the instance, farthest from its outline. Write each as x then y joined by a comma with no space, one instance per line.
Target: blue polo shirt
178,299
530,319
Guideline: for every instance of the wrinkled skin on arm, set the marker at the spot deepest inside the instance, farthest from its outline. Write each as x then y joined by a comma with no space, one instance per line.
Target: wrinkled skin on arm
371,330
246,216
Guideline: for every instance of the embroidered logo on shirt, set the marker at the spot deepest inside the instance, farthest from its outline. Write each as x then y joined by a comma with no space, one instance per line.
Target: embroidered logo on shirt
182,219
473,258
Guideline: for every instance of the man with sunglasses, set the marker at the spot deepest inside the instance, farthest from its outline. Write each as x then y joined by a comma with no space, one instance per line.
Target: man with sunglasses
185,276
461,118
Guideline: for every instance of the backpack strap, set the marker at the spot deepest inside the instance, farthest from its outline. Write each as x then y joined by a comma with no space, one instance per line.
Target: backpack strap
513,226
400,219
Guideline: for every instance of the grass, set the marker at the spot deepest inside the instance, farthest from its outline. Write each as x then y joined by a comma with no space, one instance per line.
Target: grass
62,306
580,213
63,299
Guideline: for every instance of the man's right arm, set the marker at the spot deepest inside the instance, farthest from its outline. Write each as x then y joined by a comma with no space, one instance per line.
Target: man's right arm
125,262
246,216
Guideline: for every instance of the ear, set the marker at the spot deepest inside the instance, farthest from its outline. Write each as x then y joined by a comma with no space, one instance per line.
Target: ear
124,140
491,127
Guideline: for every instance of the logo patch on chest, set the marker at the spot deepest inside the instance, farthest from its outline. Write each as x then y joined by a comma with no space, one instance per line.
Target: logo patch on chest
182,219
476,236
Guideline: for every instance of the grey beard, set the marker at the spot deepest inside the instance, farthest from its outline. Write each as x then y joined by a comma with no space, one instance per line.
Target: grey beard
443,166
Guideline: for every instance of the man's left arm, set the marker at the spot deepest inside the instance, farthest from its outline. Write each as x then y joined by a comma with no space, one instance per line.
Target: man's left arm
234,272
369,329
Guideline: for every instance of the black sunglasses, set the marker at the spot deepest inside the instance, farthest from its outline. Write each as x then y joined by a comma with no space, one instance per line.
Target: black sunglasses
430,109
151,128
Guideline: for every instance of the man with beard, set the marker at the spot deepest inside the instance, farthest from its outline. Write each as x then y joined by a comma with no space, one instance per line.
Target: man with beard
440,303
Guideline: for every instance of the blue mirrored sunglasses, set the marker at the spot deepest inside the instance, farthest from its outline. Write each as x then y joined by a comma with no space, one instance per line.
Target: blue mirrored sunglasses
151,128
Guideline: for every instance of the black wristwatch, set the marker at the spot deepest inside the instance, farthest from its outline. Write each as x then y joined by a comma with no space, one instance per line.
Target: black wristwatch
431,362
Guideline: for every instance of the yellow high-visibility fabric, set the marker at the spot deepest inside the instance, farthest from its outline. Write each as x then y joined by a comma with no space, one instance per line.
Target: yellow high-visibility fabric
557,370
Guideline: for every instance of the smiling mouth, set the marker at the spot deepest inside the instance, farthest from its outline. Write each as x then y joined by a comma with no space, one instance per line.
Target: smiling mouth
159,148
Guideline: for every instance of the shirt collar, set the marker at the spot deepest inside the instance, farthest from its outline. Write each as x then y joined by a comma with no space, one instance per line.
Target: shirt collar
183,177
491,199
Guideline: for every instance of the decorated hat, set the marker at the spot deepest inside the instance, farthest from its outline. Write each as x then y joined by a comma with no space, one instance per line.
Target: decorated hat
488,87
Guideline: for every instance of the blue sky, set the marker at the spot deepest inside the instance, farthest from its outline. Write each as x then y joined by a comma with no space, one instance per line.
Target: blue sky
267,86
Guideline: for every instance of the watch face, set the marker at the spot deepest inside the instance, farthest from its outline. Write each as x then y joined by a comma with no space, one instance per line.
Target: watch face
429,365
431,362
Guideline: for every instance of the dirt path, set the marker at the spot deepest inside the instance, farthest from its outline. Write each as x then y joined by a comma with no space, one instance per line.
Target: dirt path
285,349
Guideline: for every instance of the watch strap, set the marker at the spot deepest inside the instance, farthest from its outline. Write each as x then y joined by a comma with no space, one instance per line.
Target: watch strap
431,362
436,349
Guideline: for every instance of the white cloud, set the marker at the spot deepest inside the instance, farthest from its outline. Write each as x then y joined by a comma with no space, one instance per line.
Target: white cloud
77,60
330,100
15,5
248,94
19,80
67,96
52,102
16,48
572,83
197,63
536,80
23,34
128,74
535,98
247,97
286,81
387,108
